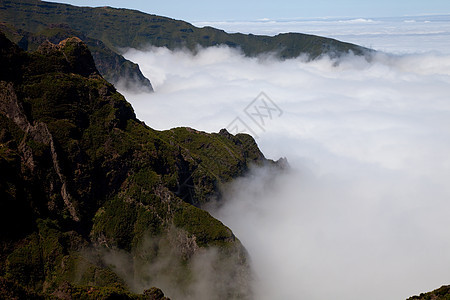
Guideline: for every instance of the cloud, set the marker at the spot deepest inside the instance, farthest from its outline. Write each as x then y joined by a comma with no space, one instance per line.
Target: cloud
357,21
364,212
178,266
395,35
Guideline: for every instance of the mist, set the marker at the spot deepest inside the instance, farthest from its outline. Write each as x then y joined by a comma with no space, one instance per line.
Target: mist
174,263
363,211
405,34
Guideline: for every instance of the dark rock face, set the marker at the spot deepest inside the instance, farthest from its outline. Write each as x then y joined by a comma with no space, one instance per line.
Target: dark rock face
82,181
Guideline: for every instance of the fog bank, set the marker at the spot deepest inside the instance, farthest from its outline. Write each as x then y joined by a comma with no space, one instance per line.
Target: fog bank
363,214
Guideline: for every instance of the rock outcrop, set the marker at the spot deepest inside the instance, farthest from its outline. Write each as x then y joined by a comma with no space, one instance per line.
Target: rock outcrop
111,65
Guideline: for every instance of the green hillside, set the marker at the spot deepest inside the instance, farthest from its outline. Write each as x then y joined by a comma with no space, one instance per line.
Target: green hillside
122,28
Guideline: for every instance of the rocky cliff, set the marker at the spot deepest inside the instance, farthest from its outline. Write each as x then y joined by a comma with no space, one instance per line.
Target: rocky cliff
94,203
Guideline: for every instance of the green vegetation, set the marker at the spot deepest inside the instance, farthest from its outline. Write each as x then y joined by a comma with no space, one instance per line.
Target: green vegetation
442,293
81,177
107,31
121,28
113,66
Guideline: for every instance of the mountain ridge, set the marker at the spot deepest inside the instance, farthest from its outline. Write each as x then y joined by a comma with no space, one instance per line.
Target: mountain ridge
108,31
142,29
87,189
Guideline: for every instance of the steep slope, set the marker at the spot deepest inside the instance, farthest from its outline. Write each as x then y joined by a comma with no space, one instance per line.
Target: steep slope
128,28
94,202
112,66
442,293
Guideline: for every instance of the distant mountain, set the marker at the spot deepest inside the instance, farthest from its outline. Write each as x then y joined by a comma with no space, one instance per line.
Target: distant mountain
124,28
93,203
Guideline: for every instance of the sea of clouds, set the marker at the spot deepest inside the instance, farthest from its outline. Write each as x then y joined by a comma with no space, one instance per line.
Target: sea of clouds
410,34
363,212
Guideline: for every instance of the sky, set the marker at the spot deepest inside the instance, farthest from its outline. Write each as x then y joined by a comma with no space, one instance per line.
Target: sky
200,10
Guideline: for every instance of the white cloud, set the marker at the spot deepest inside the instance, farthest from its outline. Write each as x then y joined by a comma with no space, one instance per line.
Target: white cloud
395,35
357,21
364,213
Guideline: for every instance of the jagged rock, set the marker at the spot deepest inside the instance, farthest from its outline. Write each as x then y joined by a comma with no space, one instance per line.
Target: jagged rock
154,294
76,54
81,178
111,65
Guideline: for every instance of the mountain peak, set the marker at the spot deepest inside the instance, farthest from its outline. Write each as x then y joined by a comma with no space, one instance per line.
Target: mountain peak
76,54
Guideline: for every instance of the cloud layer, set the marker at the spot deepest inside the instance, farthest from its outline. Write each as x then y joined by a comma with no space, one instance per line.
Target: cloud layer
364,212
409,34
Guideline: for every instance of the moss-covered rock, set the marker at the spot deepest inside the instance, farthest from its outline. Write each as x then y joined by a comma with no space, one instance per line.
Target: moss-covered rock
95,198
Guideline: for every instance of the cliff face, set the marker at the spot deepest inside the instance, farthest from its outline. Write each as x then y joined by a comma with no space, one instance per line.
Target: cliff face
82,180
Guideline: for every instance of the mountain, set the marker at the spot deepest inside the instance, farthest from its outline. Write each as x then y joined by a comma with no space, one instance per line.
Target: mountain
111,65
107,30
443,293
96,204
124,28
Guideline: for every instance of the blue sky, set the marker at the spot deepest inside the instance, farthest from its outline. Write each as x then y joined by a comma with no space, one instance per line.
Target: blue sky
200,10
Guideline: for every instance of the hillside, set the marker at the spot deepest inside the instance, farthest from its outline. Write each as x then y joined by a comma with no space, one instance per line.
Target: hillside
111,65
124,28
442,293
94,203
